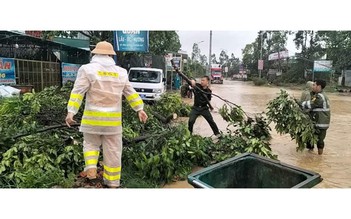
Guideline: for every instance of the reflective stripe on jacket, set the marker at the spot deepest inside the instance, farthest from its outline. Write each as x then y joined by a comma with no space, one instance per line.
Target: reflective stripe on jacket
320,113
103,83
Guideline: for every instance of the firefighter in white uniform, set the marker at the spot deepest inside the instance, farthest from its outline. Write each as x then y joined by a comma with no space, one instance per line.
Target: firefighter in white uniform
103,83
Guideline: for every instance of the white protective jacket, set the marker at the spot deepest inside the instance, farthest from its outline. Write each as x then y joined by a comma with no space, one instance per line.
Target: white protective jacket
104,83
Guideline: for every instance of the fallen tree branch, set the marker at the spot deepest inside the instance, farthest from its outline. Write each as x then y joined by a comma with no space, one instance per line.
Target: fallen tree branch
125,141
142,138
44,130
163,119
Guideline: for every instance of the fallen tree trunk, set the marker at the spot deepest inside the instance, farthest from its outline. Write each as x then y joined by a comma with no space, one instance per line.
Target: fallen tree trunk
163,119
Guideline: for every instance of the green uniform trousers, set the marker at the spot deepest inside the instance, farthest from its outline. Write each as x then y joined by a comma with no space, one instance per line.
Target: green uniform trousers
203,111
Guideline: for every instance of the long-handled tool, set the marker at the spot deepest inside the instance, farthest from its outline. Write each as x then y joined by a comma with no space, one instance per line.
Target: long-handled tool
189,82
231,104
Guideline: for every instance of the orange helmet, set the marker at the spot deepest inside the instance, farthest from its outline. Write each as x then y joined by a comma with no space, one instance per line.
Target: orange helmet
104,48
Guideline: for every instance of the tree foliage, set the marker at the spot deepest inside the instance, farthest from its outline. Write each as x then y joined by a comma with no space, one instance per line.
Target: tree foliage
290,119
243,134
162,42
196,53
50,34
234,64
268,42
168,152
223,57
337,48
250,56
203,60
214,59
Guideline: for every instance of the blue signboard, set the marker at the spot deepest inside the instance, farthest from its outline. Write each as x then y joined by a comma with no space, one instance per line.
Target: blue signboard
131,41
7,71
323,66
69,72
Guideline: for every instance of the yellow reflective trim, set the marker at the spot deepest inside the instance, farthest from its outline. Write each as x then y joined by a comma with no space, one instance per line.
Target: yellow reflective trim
136,103
78,96
112,169
74,104
132,96
91,153
111,178
101,122
103,114
108,74
91,162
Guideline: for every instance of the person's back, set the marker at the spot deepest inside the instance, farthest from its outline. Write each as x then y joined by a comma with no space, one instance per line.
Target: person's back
106,84
103,83
321,112
306,94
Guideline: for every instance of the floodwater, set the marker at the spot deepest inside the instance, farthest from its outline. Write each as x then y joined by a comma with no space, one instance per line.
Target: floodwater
334,165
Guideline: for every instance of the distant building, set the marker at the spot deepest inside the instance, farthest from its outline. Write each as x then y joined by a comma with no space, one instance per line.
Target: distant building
37,61
30,45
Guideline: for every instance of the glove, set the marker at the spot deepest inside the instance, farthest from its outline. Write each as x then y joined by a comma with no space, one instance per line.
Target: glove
301,106
298,103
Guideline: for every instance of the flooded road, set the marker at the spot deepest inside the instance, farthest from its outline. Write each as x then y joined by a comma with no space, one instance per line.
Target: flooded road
334,165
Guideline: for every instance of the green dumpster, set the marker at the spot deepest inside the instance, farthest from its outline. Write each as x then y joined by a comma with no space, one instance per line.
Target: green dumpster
253,171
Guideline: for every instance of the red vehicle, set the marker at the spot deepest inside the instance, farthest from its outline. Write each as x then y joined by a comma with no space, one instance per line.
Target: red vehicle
216,74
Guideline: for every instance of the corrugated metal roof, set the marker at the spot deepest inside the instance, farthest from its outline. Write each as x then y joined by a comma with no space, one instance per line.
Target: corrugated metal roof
13,34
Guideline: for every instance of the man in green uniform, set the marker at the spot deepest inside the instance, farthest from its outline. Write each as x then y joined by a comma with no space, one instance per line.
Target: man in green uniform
200,106
320,113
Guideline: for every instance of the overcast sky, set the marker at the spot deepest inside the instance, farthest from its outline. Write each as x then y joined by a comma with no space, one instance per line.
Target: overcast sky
230,41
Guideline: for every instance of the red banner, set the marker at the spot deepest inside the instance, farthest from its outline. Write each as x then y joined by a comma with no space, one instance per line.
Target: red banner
37,34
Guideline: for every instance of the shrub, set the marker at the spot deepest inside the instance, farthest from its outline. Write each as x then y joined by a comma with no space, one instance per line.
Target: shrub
259,81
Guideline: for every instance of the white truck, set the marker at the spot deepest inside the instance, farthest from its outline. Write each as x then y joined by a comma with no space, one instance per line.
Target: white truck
150,83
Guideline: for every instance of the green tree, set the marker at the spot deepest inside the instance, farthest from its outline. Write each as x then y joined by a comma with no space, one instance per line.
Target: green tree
214,59
310,43
301,40
97,36
311,48
248,53
223,57
198,61
250,56
273,41
94,36
337,48
234,64
203,60
51,34
162,42
196,53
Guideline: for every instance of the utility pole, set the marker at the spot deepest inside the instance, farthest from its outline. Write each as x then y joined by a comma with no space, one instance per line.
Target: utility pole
209,56
260,71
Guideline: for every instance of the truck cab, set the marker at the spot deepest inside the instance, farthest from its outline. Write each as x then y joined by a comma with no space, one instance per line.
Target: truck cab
216,74
150,83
